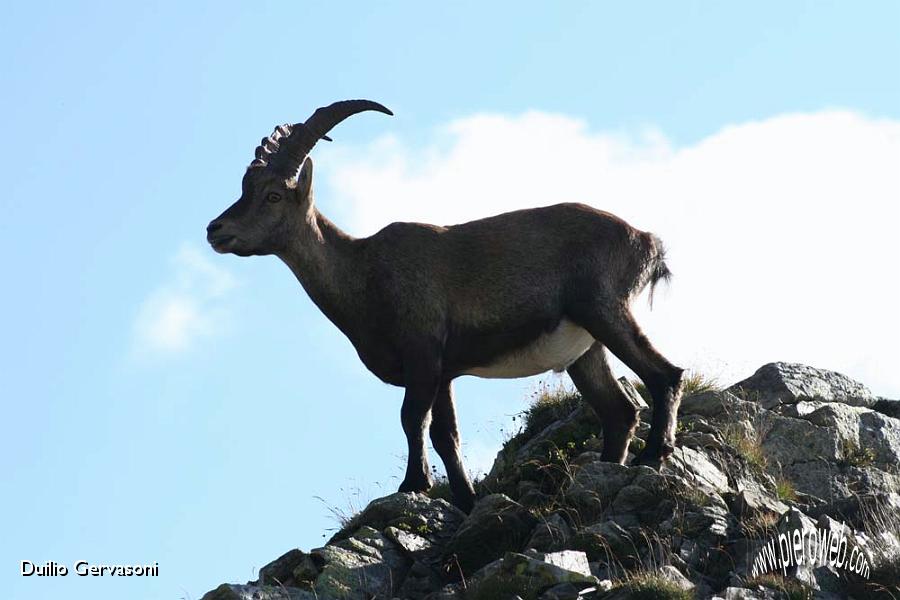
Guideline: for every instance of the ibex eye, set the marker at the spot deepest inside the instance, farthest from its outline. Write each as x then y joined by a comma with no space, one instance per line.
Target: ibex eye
273,196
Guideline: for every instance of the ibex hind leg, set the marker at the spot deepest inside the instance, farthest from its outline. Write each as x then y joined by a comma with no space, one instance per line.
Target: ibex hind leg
616,328
618,415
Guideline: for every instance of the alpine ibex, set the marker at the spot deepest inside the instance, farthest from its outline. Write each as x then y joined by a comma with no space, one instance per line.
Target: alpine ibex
507,296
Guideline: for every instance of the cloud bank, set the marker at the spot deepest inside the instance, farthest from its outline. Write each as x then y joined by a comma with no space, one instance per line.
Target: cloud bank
186,308
781,232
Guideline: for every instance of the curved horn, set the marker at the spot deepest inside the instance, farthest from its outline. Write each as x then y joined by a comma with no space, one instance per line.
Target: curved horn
290,151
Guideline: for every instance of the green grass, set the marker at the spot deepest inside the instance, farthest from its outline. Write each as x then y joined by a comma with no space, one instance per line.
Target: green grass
502,587
647,585
785,490
854,455
747,444
791,588
550,403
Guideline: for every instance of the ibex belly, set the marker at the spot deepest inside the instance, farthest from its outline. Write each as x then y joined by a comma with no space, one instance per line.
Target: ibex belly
555,351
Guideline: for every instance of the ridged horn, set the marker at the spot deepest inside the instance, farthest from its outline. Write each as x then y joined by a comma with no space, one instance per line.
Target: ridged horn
289,145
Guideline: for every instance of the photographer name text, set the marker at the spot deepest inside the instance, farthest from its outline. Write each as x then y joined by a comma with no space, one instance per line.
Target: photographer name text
84,568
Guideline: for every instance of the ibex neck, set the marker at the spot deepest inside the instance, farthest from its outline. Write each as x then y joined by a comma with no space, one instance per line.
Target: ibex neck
326,261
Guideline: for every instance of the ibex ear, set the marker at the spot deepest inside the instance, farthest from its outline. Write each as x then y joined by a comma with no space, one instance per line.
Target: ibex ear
304,180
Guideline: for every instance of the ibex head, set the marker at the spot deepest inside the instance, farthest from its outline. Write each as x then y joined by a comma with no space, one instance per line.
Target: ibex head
273,195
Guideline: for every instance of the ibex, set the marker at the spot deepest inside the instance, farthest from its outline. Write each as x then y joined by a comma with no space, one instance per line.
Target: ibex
511,295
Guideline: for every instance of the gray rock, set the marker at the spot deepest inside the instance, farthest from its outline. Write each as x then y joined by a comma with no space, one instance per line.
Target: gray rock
570,560
634,498
281,570
633,394
448,592
228,591
788,383
551,533
675,576
858,427
569,591
738,593
695,468
359,567
597,482
421,581
496,524
832,451
753,503
718,405
529,576
432,518
607,542
413,544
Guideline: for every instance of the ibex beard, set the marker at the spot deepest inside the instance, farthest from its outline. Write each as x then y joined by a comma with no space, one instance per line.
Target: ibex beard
511,295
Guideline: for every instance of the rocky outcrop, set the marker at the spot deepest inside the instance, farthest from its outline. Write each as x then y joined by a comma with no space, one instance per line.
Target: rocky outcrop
791,452
786,383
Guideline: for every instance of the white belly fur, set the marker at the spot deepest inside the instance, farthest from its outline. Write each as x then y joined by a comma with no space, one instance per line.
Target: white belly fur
555,350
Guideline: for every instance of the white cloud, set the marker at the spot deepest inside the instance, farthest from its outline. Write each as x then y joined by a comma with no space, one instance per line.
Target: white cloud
184,309
782,233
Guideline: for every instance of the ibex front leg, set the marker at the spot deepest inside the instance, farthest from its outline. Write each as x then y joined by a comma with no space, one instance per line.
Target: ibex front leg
445,439
422,384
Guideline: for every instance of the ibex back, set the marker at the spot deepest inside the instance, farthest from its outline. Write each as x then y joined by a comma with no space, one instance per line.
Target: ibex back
508,296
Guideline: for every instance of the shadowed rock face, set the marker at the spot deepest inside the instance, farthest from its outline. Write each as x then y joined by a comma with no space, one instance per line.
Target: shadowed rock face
790,448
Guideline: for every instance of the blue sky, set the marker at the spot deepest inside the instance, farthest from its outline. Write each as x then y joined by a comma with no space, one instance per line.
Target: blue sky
167,404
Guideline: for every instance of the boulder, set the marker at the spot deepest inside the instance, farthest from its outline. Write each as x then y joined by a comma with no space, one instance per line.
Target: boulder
738,593
281,570
696,469
432,518
364,565
551,533
788,383
228,591
597,482
496,525
752,504
530,575
633,394
672,574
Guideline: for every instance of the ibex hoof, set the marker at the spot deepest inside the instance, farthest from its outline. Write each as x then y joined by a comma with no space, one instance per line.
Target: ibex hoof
654,457
418,485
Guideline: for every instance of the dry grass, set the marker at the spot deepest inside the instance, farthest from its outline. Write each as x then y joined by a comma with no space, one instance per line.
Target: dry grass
651,585
761,525
854,455
790,588
693,382
550,402
747,443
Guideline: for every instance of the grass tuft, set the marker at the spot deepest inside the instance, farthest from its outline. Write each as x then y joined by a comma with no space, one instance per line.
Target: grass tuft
692,383
747,442
853,454
785,490
648,585
550,403
792,589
